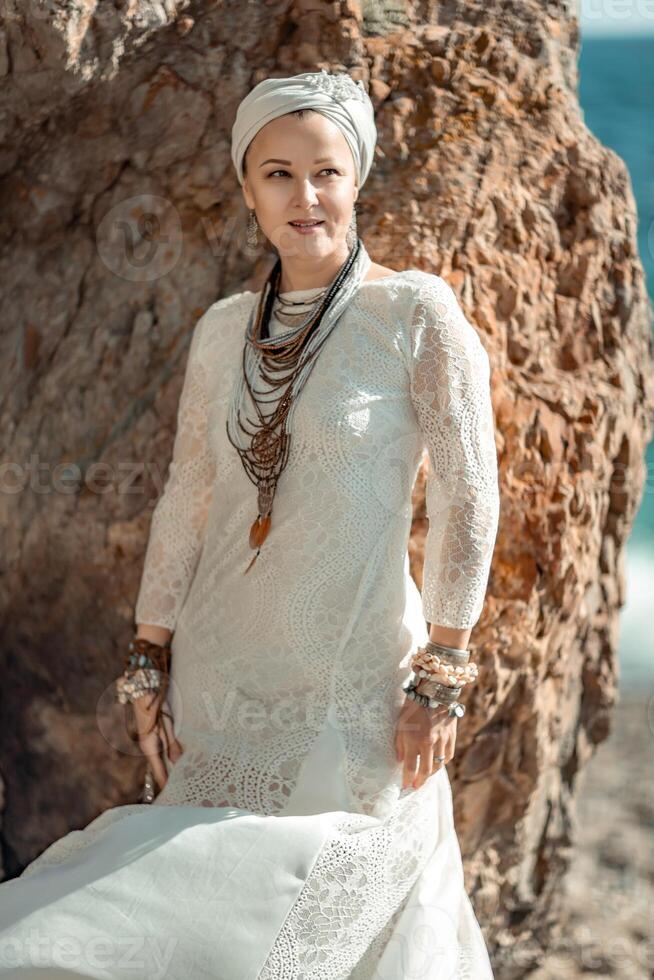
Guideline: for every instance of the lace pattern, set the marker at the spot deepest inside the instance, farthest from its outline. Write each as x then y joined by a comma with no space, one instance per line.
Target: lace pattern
357,883
180,516
450,392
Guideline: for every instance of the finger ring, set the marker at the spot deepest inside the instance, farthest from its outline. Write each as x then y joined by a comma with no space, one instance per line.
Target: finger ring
439,758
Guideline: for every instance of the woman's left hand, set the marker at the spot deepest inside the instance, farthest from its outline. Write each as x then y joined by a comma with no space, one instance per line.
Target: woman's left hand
423,733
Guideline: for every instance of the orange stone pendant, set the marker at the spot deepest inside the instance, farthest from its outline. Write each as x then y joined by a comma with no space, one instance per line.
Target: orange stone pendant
259,531
258,534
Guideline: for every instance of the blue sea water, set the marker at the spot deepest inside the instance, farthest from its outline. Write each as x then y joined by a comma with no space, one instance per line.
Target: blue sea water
616,93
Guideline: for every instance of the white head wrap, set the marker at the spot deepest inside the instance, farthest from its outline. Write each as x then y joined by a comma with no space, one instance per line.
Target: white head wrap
337,96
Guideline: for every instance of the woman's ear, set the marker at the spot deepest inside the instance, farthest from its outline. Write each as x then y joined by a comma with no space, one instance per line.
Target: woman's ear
249,200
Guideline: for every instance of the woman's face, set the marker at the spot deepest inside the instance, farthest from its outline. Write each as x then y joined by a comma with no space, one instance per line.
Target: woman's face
301,169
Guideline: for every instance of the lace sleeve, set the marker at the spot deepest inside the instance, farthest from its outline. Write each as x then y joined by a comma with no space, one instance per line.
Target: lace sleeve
180,515
450,391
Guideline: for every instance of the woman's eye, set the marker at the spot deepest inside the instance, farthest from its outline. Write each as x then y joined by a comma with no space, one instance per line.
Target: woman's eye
332,169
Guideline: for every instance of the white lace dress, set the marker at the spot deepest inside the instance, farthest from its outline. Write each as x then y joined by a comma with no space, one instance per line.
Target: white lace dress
283,846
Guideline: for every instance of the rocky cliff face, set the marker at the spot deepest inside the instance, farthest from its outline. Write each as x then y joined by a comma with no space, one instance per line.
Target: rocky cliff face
121,221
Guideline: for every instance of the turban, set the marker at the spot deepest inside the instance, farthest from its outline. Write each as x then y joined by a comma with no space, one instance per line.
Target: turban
337,96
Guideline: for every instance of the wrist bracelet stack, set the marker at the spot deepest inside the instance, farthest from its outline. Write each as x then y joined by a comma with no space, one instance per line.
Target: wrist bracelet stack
147,671
439,674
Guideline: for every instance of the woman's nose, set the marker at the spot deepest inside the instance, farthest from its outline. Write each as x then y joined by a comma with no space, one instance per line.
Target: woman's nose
306,193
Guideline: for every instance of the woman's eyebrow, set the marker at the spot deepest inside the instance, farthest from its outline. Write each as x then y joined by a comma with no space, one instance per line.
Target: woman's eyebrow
288,162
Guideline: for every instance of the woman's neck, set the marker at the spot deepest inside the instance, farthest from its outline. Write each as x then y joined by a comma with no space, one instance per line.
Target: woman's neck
306,275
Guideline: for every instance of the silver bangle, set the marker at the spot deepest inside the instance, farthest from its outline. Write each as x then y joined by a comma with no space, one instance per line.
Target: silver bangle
450,654
453,707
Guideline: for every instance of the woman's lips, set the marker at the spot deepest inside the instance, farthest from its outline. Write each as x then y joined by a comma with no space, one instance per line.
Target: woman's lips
306,229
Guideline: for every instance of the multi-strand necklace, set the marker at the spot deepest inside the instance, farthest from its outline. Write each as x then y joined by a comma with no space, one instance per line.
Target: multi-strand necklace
282,362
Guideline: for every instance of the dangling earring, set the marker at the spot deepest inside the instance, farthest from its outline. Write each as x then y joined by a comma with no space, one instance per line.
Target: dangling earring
251,234
351,236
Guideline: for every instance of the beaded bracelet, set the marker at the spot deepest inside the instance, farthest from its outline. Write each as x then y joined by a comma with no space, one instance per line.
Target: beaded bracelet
448,665
131,686
146,671
446,674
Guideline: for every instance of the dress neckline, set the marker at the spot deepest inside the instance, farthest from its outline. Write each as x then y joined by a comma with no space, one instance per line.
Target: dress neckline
301,293
307,293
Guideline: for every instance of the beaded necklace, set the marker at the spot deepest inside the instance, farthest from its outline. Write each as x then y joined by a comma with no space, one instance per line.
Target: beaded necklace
263,443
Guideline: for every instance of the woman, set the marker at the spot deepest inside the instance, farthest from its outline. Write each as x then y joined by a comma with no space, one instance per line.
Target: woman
303,825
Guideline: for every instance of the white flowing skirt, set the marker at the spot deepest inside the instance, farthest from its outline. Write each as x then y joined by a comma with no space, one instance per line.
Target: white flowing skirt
211,893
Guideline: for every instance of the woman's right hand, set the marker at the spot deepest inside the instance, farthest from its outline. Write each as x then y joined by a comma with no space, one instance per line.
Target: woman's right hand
152,741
